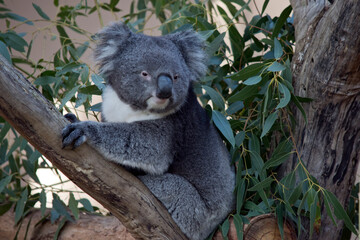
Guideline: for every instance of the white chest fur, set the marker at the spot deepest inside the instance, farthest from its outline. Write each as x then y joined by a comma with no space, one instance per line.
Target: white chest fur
115,110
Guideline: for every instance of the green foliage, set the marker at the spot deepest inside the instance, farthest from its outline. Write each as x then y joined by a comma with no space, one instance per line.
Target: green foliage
247,92
352,211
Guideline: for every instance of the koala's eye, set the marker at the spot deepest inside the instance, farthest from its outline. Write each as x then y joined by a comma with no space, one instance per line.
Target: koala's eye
145,75
176,77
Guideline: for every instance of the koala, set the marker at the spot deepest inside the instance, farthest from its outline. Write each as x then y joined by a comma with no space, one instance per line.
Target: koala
153,125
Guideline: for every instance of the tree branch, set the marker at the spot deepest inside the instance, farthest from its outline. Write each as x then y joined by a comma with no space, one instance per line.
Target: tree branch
37,120
88,226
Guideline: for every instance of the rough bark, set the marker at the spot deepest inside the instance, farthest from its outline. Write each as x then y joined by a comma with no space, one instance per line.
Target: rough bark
326,68
24,107
86,227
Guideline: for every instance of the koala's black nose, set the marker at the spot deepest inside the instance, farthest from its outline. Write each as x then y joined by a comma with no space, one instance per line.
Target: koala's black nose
164,86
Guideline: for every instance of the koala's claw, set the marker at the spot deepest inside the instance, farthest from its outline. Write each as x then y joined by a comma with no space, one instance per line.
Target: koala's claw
71,117
73,136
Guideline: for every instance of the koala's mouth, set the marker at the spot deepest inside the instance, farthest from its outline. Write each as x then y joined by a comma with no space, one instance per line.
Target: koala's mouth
155,103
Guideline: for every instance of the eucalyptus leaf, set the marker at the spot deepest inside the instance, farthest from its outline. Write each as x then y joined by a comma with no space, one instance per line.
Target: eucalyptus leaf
90,90
5,207
239,226
300,208
98,81
215,97
298,105
84,74
73,205
40,12
60,226
14,41
87,205
224,126
257,161
18,18
280,218
269,122
81,50
46,80
54,216
264,6
30,170
3,148
4,130
207,33
248,72
225,227
254,144
253,80
313,209
235,107
239,138
265,199
81,99
244,93
215,44
281,20
278,51
59,207
5,52
42,200
70,67
276,67
240,194
96,107
244,6
339,211
263,184
280,154
253,207
14,146
328,209
4,182
284,101
20,205
68,96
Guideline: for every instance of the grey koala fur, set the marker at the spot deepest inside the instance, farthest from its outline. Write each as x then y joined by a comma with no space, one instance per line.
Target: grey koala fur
152,122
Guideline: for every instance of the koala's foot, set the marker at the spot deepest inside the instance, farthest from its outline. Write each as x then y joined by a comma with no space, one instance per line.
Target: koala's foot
183,202
74,134
71,118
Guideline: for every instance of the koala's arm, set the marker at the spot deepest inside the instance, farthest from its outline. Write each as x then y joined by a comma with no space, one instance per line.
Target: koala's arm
145,145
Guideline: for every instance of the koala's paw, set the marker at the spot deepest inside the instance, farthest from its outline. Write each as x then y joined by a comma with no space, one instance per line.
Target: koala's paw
74,134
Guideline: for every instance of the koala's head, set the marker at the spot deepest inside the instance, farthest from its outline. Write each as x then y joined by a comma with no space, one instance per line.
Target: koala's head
150,73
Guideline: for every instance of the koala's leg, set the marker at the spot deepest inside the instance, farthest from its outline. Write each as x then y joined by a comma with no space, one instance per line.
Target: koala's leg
183,202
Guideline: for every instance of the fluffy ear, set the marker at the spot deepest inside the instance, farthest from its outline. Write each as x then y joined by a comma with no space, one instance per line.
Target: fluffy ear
109,41
191,46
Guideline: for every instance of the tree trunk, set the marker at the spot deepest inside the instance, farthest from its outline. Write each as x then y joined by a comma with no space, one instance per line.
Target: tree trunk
89,226
36,119
326,68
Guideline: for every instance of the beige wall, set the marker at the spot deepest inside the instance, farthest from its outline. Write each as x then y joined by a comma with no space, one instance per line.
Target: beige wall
45,48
